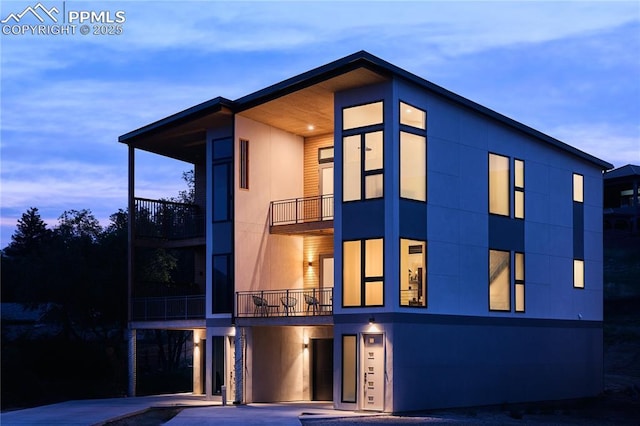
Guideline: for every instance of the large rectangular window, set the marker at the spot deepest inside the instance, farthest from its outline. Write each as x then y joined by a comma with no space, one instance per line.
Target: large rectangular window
413,166
363,273
499,185
349,368
413,273
244,164
499,280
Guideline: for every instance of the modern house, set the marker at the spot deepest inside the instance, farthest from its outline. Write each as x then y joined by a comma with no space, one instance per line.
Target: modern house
363,236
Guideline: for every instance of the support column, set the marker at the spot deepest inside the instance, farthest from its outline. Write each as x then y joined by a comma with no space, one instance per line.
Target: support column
239,366
199,343
132,362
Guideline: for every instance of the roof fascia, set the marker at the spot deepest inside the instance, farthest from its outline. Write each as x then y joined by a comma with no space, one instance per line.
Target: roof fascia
208,107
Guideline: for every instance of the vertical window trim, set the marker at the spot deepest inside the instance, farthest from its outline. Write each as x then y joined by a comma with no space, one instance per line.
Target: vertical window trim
243,178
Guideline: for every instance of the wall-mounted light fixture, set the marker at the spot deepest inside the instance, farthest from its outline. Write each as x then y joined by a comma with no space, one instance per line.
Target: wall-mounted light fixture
305,343
196,343
309,264
371,320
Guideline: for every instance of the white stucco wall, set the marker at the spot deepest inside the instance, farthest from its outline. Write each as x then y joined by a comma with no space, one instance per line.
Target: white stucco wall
265,261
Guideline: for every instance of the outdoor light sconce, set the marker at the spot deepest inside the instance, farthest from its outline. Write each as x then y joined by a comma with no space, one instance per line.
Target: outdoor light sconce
309,264
372,320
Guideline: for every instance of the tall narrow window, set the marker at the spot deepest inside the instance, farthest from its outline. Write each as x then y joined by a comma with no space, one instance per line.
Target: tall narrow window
413,166
244,164
413,273
518,189
349,368
578,273
363,273
578,188
499,185
519,281
499,280
363,152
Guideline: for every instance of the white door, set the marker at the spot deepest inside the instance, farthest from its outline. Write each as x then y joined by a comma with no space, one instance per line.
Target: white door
373,372
326,190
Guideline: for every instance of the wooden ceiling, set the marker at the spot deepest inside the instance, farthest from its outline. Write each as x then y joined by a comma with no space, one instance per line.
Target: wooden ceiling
311,106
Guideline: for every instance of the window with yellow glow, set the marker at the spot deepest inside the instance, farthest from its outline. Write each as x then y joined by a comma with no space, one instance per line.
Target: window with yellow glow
499,280
362,115
578,273
363,273
413,273
499,185
413,166
578,188
412,116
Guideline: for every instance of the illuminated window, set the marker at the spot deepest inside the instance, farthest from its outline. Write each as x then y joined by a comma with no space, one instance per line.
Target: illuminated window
499,280
413,273
578,188
499,184
362,115
518,189
412,116
349,368
519,281
413,166
363,174
578,273
363,273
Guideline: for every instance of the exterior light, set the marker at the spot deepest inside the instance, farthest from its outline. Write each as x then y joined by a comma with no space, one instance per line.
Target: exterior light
372,320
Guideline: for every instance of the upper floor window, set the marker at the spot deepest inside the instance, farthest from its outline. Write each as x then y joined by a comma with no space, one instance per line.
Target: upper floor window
413,166
578,188
363,173
578,273
412,116
499,185
362,115
363,273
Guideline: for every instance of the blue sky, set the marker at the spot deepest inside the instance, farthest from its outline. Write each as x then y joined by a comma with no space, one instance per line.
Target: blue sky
570,69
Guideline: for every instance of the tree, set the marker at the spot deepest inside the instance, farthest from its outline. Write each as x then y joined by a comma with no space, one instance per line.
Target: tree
31,233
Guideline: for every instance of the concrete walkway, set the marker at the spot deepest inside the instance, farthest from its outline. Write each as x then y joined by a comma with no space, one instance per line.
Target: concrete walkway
198,411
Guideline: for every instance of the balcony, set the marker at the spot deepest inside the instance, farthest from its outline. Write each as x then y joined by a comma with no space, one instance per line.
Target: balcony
284,303
167,308
310,215
167,220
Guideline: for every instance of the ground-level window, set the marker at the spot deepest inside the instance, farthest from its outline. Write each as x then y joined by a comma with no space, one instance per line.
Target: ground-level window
578,273
363,274
413,273
349,368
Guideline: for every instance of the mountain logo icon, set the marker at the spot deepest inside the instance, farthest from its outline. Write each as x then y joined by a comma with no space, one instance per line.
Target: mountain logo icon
38,11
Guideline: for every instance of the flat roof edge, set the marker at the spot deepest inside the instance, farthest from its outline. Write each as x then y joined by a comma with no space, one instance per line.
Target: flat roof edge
207,107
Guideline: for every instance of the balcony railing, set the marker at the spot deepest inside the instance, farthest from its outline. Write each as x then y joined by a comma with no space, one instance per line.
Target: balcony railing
302,210
168,220
284,303
167,308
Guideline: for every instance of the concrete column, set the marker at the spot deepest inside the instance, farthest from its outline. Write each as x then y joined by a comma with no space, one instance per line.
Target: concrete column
198,343
132,362
239,366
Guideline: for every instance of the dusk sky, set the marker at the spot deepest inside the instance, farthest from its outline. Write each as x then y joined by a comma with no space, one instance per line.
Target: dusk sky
569,69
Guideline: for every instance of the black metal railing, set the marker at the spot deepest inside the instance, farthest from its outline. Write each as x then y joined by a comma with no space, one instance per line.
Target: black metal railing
284,303
168,220
167,308
302,210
